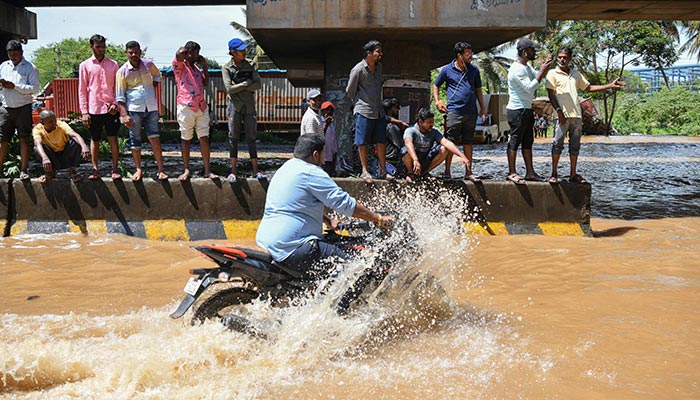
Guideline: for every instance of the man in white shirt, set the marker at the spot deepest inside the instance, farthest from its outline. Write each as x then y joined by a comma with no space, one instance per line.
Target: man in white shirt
311,122
19,80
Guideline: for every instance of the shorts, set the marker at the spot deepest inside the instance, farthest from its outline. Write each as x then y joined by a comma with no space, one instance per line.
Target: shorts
17,118
191,121
369,131
460,128
425,159
147,119
574,126
522,122
109,122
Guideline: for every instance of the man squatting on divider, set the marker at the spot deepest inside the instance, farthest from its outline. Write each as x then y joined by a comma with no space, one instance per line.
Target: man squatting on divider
58,146
425,148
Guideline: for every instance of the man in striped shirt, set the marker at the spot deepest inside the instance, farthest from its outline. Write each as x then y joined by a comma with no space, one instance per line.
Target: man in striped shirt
137,81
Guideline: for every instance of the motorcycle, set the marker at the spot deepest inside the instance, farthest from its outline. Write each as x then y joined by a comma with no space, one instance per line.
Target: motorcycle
243,275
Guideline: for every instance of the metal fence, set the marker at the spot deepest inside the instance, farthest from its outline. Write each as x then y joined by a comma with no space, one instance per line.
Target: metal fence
277,102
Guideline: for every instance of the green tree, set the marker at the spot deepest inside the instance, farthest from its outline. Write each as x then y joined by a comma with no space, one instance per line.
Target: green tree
692,31
494,69
62,59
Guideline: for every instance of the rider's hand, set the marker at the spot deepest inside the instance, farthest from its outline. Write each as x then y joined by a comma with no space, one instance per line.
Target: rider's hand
386,221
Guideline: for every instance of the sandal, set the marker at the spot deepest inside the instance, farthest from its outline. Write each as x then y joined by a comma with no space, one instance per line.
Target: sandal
386,176
411,178
95,175
576,178
553,179
162,176
185,176
515,178
259,176
45,178
232,178
472,178
24,175
534,178
116,176
76,178
211,175
367,177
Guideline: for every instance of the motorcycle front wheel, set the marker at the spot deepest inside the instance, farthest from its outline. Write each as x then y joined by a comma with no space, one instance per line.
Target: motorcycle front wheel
221,299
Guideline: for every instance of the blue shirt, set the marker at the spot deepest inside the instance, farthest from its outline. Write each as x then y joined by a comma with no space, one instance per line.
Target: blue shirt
461,88
294,207
422,142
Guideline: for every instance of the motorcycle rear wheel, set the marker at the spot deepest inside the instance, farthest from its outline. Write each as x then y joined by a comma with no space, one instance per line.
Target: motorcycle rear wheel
221,298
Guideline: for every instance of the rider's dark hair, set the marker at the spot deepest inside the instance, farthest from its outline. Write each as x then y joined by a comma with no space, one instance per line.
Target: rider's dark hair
14,45
460,47
192,46
370,47
423,114
97,38
566,49
132,44
307,144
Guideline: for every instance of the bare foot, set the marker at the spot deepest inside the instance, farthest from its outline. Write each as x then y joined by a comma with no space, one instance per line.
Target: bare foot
136,176
162,176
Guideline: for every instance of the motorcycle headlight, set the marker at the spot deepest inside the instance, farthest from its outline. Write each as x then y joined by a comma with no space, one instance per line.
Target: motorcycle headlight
224,276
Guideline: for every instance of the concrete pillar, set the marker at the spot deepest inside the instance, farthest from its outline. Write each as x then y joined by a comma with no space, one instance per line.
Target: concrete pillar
402,60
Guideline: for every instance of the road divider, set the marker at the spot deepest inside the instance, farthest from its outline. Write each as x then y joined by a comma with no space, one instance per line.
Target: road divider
202,209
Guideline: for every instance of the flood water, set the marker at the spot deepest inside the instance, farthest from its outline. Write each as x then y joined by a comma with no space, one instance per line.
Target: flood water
531,317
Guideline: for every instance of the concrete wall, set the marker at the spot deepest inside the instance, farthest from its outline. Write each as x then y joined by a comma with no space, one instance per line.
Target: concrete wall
202,209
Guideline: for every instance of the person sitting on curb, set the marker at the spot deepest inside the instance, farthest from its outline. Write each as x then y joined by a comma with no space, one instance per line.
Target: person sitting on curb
425,148
58,146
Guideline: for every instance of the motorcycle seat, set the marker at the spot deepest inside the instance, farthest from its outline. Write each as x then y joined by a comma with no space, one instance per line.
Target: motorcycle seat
258,255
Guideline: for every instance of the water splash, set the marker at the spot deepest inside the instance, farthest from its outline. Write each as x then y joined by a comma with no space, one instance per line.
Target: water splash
394,346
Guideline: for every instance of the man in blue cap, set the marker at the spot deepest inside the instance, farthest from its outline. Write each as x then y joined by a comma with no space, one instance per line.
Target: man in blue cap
241,80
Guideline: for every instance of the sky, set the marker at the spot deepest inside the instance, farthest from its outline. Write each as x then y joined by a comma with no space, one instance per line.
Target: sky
160,29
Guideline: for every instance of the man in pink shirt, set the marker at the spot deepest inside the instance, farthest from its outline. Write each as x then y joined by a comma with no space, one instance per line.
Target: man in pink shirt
98,105
192,113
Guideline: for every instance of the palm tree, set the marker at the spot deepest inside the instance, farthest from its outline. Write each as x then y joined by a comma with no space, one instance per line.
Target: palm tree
254,51
494,68
692,45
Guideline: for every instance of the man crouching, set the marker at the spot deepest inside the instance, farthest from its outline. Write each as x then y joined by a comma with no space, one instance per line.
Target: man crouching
425,148
58,146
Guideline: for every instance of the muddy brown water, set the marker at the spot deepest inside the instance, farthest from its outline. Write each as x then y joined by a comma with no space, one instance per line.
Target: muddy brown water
612,316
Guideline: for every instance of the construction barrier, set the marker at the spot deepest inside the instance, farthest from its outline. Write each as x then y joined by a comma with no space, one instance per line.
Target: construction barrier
202,209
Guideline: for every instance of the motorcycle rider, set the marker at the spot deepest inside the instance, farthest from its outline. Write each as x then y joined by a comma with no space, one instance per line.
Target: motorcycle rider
291,227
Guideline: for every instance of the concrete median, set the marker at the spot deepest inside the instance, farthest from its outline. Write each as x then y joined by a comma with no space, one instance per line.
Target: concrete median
202,209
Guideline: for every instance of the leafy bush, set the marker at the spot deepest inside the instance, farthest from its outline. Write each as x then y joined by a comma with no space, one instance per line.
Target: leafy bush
666,112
